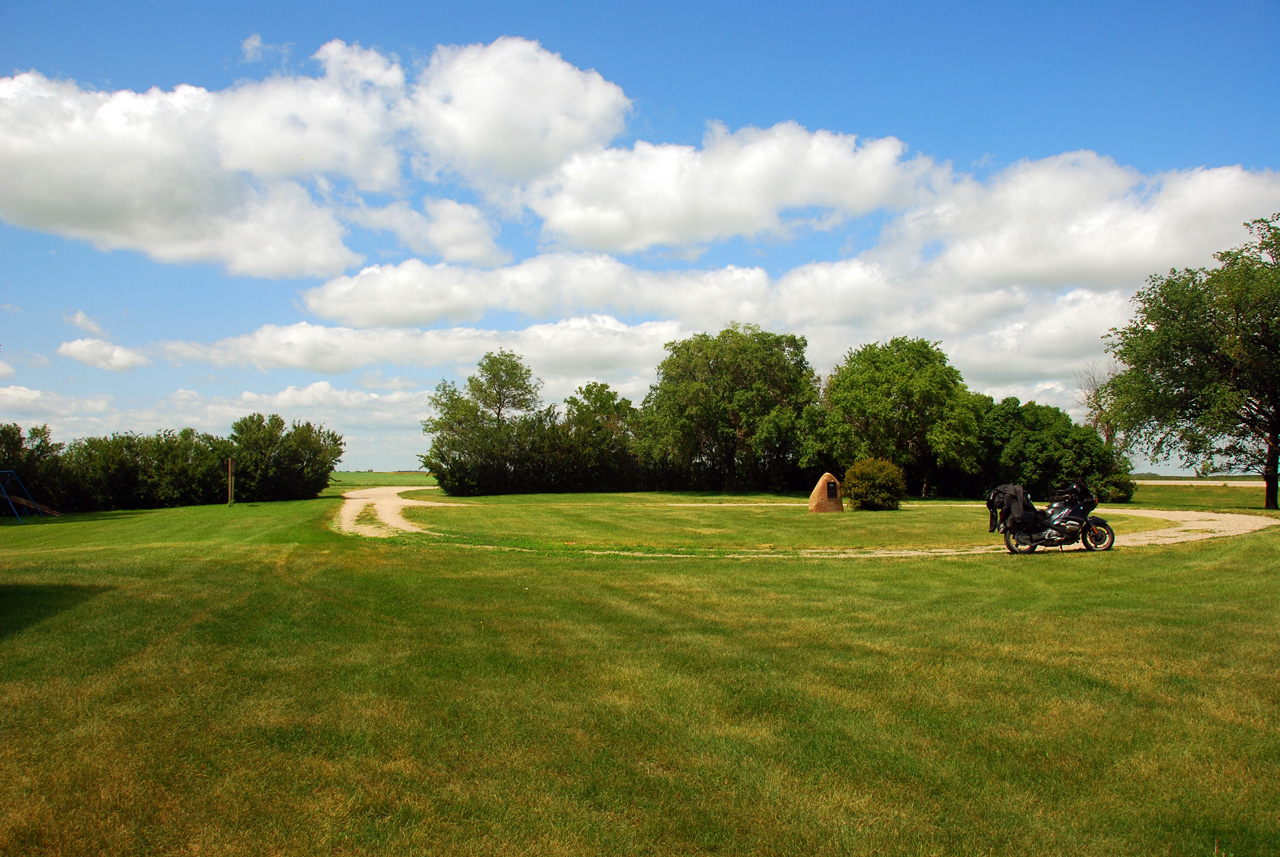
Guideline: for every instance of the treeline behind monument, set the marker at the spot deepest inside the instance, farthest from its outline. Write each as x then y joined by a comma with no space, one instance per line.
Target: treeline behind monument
274,461
743,410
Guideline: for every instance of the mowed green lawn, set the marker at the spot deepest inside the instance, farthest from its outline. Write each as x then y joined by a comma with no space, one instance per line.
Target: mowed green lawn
706,524
244,680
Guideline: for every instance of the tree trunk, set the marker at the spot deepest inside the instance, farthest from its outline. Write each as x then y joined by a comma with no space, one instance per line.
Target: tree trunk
1270,468
731,471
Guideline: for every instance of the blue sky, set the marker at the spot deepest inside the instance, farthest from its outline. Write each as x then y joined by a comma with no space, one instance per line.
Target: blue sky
322,210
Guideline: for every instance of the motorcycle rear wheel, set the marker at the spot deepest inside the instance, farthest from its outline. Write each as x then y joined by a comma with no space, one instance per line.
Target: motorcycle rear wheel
1012,542
1098,537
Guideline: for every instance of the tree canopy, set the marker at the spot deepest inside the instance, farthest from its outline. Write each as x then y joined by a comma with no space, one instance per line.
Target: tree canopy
1200,363
504,387
731,405
1040,448
742,410
477,435
600,429
902,401
275,462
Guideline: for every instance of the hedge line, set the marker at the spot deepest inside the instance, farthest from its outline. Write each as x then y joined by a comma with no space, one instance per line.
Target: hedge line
171,468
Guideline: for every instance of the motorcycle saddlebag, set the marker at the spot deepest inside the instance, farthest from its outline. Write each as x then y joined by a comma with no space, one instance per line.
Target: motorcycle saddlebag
1009,506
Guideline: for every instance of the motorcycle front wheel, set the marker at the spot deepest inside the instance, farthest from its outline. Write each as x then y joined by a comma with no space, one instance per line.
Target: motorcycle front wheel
1098,537
1019,543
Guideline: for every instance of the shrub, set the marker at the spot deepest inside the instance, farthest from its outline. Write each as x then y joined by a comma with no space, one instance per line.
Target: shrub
1118,488
874,484
275,462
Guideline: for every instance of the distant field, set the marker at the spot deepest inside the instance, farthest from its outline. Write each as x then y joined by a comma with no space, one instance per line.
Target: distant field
245,680
1207,496
1207,480
347,480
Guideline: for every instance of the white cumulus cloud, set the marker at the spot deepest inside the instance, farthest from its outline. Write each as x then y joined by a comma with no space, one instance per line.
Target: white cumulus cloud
256,176
417,293
1081,218
341,123
510,110
460,233
81,320
379,381
251,49
43,404
140,171
103,355
737,184
454,231
589,346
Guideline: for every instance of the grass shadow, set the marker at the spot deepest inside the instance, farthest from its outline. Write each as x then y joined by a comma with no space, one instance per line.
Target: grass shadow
68,518
24,605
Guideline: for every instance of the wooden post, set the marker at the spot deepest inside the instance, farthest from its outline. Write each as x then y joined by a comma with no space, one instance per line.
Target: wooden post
231,481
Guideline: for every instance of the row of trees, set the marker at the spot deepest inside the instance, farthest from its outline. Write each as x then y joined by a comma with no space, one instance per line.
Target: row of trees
744,410
274,461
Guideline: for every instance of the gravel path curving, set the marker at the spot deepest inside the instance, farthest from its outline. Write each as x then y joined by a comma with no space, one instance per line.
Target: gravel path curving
388,506
1190,526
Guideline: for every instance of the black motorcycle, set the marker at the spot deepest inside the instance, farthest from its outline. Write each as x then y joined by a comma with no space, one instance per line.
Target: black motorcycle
1065,521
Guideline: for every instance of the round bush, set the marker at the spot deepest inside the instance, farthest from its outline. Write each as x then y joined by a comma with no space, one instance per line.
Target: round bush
874,484
1116,489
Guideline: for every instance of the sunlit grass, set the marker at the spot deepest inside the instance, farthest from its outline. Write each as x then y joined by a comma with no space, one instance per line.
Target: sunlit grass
1213,496
345,480
684,523
245,680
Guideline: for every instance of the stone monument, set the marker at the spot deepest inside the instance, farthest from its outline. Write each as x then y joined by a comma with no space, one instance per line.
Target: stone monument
826,495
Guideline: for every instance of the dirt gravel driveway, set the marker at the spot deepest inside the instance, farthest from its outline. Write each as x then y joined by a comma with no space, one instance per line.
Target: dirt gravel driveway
388,506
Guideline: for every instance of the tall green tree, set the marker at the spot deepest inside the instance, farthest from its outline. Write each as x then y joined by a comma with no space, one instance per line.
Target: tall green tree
1200,363
903,401
599,425
486,439
504,387
729,406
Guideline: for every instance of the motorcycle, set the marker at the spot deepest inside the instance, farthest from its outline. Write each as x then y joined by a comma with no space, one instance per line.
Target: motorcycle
1064,522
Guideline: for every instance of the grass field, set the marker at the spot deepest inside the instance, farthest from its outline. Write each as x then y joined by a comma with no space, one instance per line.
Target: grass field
346,480
1211,496
244,680
705,524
